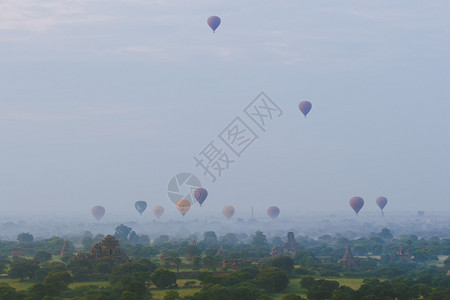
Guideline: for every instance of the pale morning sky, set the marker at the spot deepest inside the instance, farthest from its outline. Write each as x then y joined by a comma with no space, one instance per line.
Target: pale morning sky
102,102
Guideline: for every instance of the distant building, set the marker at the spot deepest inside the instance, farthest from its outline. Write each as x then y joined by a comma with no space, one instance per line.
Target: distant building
287,248
348,261
220,251
190,256
235,264
109,247
16,252
65,251
402,255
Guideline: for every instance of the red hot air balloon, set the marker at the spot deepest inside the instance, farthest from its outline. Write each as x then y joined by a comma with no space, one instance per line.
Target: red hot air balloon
356,203
158,211
98,212
214,22
228,211
200,195
273,212
305,107
381,202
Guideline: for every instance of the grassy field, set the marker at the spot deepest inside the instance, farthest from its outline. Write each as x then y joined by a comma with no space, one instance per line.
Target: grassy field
159,294
353,283
26,284
97,283
295,287
17,284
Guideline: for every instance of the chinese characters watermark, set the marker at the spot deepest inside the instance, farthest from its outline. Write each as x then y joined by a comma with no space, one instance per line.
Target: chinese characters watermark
237,137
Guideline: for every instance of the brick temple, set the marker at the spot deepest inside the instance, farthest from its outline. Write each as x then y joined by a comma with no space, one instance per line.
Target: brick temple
109,247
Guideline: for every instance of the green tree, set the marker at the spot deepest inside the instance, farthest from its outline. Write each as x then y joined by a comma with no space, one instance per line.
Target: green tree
122,232
3,264
196,263
209,240
172,295
322,289
23,268
376,289
132,287
424,254
272,279
259,239
144,240
276,240
343,293
7,292
162,239
87,242
129,295
80,268
385,234
209,261
42,256
38,291
192,250
291,296
55,283
163,278
140,271
213,292
134,238
210,236
98,238
230,239
307,282
285,263
447,261
104,265
25,237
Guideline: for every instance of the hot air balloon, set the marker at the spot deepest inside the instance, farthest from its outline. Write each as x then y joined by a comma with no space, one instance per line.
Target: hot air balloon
200,195
140,206
183,206
273,212
158,211
305,107
356,203
228,211
381,202
98,212
213,22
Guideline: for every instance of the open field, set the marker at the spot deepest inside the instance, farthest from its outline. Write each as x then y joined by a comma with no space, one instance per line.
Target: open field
17,284
353,283
97,283
159,294
26,284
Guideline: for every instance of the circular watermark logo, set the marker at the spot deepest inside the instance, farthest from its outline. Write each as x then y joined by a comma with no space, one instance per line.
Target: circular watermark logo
182,186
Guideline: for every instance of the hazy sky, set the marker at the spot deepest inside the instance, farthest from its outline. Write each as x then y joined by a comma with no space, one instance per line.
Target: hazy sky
102,102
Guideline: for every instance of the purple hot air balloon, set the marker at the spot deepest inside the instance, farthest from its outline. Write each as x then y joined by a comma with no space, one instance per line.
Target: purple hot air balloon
98,212
273,212
305,107
381,202
213,22
200,195
356,203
